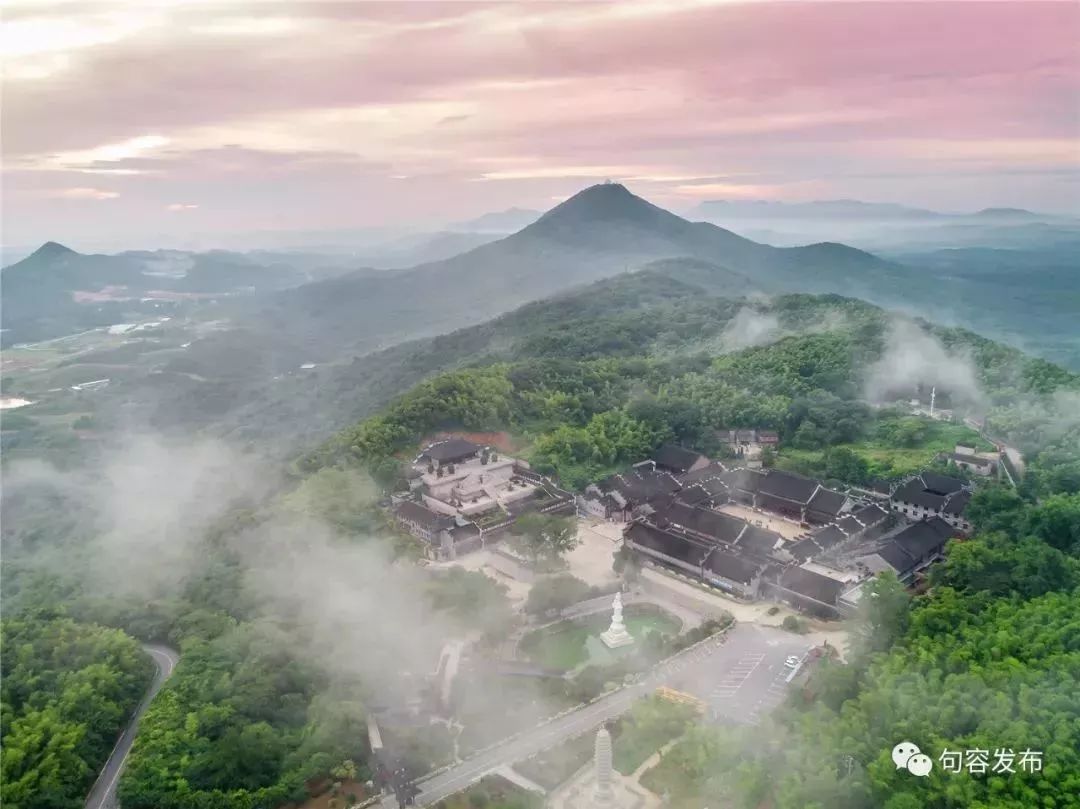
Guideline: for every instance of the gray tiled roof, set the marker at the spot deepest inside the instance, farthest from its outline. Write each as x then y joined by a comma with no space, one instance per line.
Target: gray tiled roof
812,585
676,459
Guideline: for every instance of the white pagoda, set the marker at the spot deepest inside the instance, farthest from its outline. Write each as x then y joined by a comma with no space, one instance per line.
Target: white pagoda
616,634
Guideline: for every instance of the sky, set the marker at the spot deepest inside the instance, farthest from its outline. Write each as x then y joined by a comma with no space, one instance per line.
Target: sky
158,123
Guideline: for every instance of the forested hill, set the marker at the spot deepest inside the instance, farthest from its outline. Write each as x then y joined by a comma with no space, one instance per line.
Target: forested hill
653,343
257,710
987,659
599,232
312,406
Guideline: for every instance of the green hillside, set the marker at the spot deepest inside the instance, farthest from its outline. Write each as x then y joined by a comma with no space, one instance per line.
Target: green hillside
591,381
987,659
598,378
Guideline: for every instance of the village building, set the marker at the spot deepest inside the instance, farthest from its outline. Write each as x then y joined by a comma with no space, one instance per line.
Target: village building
691,554
719,529
674,505
983,464
747,443
677,460
622,497
445,536
462,494
909,549
768,438
806,590
706,484
930,494
865,522
448,451
876,489
787,494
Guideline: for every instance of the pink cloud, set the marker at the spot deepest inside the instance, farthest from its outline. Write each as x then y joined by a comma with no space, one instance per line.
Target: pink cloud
329,103
96,194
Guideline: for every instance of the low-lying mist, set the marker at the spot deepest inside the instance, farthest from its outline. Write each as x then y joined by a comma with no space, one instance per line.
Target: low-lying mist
913,357
154,511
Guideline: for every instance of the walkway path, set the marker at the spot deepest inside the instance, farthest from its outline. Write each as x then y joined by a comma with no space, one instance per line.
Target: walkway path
514,777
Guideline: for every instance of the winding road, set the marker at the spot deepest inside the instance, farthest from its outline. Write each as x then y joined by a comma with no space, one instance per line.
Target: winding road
103,793
740,675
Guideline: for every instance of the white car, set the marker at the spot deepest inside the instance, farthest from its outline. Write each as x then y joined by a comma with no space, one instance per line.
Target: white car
792,662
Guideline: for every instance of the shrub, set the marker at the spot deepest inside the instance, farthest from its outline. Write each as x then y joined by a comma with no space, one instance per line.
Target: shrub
794,624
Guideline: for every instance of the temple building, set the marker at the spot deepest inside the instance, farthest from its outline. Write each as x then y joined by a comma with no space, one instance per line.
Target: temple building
463,494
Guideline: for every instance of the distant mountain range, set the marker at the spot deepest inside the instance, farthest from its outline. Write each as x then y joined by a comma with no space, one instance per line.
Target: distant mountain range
709,210
56,291
845,209
237,362
601,231
884,227
508,221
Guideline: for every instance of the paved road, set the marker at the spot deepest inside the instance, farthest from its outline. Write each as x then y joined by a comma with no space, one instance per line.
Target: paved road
741,676
103,793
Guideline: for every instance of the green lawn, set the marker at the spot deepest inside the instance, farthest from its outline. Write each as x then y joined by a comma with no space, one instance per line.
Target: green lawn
565,645
889,461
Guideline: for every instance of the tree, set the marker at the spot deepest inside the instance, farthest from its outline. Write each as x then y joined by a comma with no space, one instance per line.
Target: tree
68,690
475,599
792,623
995,508
626,564
555,592
1056,521
345,771
344,499
843,464
683,419
999,565
545,537
902,431
882,614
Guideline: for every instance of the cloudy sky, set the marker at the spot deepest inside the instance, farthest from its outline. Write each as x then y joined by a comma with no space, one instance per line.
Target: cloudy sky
147,123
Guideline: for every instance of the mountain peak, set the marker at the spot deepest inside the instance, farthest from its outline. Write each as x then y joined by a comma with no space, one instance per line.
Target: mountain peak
601,193
52,250
610,203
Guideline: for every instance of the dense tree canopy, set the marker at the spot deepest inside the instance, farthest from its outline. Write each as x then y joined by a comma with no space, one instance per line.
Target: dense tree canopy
68,691
241,723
